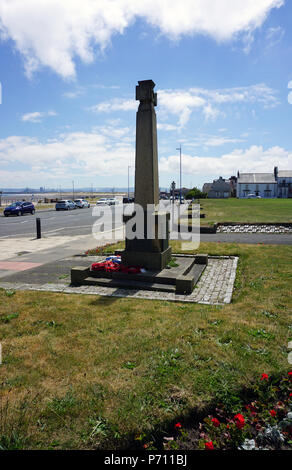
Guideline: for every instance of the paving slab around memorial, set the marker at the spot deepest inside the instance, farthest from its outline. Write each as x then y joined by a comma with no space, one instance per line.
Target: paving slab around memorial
214,287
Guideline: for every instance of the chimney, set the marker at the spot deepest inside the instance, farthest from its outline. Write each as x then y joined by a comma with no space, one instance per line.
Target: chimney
276,172
237,174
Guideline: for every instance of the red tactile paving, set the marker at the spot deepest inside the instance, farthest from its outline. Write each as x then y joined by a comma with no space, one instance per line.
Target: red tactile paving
17,265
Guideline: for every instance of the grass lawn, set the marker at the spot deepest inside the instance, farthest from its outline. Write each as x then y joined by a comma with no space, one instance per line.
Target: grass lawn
87,372
246,210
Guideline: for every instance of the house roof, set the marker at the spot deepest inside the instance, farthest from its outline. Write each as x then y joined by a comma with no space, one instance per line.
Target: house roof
256,178
207,187
285,174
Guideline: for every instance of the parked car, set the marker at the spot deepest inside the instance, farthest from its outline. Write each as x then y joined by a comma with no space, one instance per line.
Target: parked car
65,205
81,203
102,201
112,201
128,200
19,208
253,196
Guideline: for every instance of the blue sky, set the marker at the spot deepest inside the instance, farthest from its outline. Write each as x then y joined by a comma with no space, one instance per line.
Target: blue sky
68,71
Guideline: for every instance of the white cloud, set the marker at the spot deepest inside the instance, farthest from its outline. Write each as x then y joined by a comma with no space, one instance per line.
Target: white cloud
37,116
103,151
274,36
182,103
53,33
108,150
74,93
218,141
166,127
259,93
211,113
254,159
114,105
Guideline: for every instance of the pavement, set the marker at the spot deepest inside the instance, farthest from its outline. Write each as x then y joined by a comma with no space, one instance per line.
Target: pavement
249,238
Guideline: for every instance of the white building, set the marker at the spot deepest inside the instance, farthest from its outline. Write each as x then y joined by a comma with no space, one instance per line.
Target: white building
261,184
284,179
266,185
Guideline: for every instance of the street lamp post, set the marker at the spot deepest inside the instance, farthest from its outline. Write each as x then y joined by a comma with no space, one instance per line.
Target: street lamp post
179,173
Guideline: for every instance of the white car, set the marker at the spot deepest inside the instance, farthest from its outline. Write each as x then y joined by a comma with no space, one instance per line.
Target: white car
112,201
81,203
103,201
253,196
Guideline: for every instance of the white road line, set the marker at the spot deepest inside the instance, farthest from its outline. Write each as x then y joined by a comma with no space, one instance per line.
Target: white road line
55,230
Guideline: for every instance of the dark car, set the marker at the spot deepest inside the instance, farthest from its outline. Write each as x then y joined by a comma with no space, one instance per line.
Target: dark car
128,200
19,208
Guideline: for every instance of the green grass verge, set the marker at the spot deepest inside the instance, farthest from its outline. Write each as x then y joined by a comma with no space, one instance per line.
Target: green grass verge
86,372
246,210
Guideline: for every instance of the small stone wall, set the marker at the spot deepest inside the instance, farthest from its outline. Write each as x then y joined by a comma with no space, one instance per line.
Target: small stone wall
254,228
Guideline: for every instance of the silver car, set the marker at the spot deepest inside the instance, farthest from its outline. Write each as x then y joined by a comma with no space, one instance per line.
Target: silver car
65,205
81,203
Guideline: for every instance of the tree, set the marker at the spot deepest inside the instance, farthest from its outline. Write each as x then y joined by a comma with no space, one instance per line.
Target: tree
196,194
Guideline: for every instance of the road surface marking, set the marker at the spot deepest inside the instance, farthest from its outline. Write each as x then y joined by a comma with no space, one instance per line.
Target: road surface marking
17,265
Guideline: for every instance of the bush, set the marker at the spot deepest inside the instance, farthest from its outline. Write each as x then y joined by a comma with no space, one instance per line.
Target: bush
195,193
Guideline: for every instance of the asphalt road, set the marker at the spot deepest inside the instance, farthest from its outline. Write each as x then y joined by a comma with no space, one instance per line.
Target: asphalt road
81,222
58,223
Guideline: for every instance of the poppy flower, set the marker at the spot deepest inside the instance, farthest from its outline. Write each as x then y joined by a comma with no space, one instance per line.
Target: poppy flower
273,413
177,426
290,375
209,445
240,422
216,422
265,377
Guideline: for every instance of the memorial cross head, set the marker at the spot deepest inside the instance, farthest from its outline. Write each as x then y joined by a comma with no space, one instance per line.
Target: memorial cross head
145,93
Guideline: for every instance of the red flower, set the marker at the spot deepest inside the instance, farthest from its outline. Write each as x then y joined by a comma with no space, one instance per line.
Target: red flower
209,445
177,426
251,409
216,422
290,375
273,413
240,423
265,377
